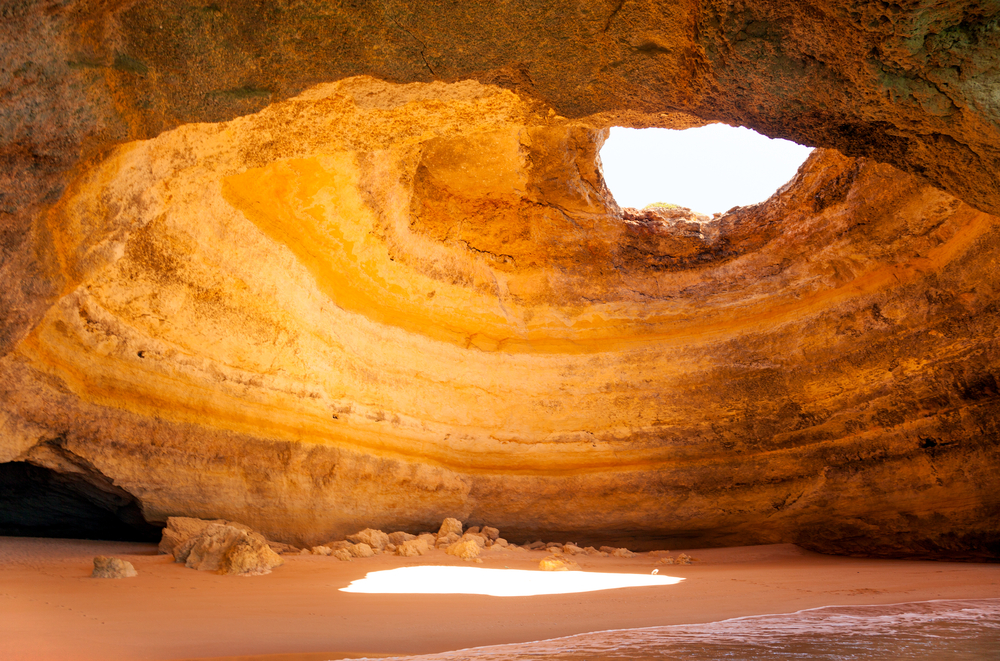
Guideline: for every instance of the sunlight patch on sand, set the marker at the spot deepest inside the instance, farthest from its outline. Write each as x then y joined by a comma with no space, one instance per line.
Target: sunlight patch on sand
497,582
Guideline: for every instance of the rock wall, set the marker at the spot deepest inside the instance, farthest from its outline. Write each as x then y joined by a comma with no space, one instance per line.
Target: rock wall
376,303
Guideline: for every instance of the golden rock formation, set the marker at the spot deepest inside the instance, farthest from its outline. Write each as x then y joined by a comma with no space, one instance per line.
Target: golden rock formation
362,303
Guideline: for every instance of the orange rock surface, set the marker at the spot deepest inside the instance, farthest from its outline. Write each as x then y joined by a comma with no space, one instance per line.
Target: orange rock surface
362,303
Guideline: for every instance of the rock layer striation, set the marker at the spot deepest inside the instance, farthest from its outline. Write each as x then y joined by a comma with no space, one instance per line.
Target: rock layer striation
362,303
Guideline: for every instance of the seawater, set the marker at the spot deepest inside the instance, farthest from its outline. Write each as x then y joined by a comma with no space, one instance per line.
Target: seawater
948,630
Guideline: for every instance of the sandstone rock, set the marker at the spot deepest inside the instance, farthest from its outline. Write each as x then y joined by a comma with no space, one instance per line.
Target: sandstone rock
342,554
450,526
478,538
413,547
282,549
339,545
321,550
491,534
684,559
398,538
590,550
429,539
572,549
361,550
466,549
501,542
472,529
180,529
557,563
446,540
535,546
376,539
460,240
105,567
228,549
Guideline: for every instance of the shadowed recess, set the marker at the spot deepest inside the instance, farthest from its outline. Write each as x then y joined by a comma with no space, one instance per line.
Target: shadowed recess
39,502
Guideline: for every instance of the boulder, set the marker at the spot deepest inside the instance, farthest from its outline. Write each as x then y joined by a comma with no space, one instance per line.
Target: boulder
180,529
376,539
491,534
105,567
342,554
342,544
413,547
557,563
475,537
321,550
398,538
228,550
450,526
465,549
361,550
444,541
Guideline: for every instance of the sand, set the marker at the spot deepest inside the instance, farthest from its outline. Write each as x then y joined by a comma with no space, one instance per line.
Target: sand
51,609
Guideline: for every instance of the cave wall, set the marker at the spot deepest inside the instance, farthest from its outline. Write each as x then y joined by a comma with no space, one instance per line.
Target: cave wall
242,292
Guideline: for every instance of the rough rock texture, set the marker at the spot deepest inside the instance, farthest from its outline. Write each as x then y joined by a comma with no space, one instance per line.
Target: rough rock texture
466,549
244,280
105,567
227,549
376,539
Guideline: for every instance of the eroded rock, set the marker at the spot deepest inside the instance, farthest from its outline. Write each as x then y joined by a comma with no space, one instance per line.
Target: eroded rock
422,298
466,549
376,539
105,567
228,549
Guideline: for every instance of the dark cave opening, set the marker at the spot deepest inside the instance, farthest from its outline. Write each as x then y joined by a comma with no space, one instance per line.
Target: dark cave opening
39,502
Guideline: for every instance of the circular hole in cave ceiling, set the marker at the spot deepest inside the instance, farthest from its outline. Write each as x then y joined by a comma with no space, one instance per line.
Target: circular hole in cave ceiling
709,169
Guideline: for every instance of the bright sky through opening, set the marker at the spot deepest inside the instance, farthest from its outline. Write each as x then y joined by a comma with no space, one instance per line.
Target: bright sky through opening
497,582
709,169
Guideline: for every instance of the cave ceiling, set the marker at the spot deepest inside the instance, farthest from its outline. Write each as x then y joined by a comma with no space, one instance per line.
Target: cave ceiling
315,266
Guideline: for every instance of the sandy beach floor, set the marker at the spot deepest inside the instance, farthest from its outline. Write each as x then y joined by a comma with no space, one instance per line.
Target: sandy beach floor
51,609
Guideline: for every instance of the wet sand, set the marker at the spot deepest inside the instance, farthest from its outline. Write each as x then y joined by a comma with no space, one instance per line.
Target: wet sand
51,609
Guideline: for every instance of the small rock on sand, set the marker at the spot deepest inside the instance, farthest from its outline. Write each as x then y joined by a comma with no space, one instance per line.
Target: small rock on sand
449,526
557,563
398,538
105,567
466,550
413,547
376,539
446,540
361,550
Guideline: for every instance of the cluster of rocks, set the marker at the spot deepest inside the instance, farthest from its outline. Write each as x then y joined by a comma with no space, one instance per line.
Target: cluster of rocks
467,544
451,537
227,547
221,546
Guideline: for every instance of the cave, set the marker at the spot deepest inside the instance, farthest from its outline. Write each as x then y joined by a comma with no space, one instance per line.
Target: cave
40,502
302,268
